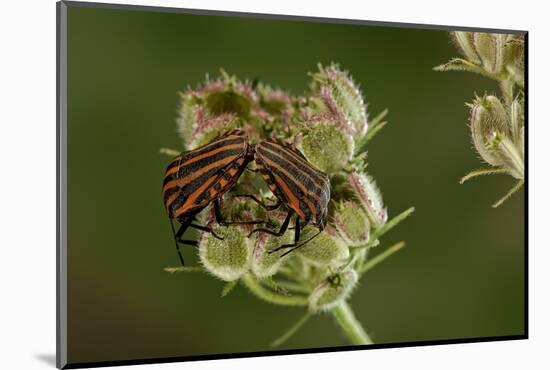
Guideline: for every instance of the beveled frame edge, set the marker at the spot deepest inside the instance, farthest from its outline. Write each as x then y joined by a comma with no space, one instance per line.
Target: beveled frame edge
61,190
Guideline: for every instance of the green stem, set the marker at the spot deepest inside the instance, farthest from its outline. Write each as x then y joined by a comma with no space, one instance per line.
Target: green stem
380,257
350,325
270,296
291,331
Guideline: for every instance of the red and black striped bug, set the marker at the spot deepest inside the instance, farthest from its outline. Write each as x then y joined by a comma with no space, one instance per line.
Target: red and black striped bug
297,184
201,176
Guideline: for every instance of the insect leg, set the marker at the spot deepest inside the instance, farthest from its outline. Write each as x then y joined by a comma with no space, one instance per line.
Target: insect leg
178,241
205,229
295,246
281,231
268,207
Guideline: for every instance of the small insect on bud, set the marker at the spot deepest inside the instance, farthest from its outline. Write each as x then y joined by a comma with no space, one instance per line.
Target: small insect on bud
327,147
327,249
333,290
487,118
342,97
352,223
368,194
228,259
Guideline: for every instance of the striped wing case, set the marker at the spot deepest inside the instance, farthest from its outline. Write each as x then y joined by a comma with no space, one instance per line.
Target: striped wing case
296,182
195,178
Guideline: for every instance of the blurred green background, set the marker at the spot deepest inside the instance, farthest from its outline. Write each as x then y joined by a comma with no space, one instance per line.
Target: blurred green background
461,274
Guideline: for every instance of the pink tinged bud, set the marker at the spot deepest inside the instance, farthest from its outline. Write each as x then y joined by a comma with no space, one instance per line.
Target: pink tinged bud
369,196
343,99
208,127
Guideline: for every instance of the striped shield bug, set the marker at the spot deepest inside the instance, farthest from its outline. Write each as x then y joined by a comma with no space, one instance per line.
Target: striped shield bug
297,184
201,176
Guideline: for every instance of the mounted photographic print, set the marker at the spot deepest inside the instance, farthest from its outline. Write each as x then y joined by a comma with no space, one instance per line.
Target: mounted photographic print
234,185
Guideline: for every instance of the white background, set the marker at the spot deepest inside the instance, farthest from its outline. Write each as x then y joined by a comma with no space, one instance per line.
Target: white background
27,186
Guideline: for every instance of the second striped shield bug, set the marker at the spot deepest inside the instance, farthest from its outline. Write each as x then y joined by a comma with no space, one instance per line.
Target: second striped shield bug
297,184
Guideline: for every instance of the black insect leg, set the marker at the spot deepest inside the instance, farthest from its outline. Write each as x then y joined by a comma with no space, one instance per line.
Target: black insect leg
198,227
281,231
179,241
221,221
295,245
267,207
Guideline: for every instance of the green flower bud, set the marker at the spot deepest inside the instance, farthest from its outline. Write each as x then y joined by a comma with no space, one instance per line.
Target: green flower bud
352,224
327,147
487,118
465,42
342,97
333,290
228,259
327,249
369,196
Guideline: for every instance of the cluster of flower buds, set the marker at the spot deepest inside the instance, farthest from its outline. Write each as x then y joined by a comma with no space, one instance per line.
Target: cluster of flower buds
496,55
329,126
496,123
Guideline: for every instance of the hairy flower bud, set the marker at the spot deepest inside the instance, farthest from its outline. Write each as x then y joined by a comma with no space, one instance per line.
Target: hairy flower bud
369,196
490,48
188,117
465,42
327,147
326,249
487,118
229,258
333,290
342,97
352,223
